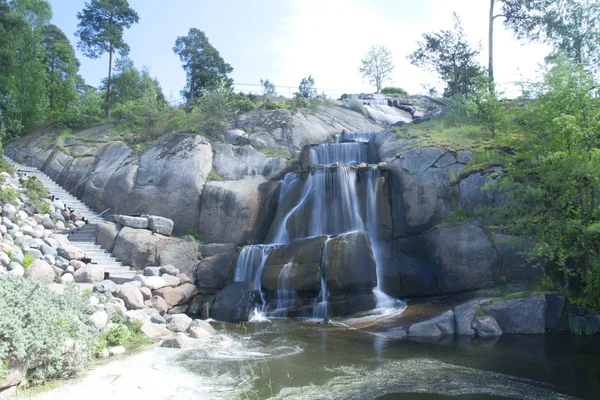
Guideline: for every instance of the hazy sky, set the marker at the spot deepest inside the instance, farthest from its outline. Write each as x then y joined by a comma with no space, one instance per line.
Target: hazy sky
285,40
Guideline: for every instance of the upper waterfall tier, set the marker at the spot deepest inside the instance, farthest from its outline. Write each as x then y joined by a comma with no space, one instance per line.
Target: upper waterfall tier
343,153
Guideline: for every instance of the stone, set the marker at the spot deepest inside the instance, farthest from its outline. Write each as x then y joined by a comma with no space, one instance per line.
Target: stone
555,305
17,255
35,253
41,271
116,351
17,270
132,222
234,303
186,291
464,315
4,259
48,223
59,226
132,297
158,319
66,278
152,271
171,297
89,273
198,332
9,211
177,310
70,252
487,326
204,325
49,259
61,262
48,250
216,271
170,280
302,259
106,234
179,323
155,282
160,225
14,376
178,341
104,353
146,292
106,286
169,269
441,325
154,331
525,315
136,316
185,278
349,262
99,319
239,207
446,259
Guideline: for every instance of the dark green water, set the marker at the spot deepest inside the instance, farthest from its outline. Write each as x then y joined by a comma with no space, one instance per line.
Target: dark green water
303,360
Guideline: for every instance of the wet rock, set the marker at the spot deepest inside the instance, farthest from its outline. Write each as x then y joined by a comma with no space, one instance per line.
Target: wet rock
464,315
178,341
487,326
441,325
179,323
234,303
526,315
349,262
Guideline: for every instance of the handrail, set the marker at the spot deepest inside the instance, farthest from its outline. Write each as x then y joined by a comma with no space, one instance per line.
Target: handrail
103,212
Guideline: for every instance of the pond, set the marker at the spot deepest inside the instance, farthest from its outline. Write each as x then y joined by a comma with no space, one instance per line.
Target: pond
306,360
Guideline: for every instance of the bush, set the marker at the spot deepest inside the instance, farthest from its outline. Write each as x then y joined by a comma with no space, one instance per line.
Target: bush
36,323
8,195
394,91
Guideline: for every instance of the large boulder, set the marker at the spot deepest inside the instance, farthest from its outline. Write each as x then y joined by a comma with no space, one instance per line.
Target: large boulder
443,324
464,315
40,270
241,207
446,259
163,226
90,273
140,248
131,295
234,303
525,315
301,260
487,326
349,262
106,233
70,252
216,268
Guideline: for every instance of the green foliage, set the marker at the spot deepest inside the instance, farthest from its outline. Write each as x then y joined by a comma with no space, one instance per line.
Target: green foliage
36,191
27,260
448,54
479,312
117,335
194,234
8,195
377,66
205,68
307,88
35,323
87,293
268,88
545,284
280,153
394,91
214,176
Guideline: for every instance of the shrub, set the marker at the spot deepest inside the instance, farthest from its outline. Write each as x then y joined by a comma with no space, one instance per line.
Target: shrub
8,195
394,91
36,323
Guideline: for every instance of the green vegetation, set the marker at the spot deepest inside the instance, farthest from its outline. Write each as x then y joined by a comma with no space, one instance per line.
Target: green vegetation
214,176
394,91
377,66
8,195
122,334
35,323
27,260
275,153
194,234
479,312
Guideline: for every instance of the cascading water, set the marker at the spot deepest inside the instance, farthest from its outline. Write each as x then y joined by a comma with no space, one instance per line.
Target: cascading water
322,201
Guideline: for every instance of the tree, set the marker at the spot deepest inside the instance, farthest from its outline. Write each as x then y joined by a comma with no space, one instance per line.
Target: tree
307,87
204,66
100,30
268,88
61,67
522,16
377,66
450,55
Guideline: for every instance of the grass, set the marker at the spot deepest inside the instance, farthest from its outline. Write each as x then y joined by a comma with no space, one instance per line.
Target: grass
279,153
194,234
479,313
27,260
514,296
214,176
437,132
123,334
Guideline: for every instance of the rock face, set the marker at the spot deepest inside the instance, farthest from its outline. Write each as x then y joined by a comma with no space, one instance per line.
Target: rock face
527,315
242,207
216,269
515,267
140,248
234,303
487,326
446,259
350,263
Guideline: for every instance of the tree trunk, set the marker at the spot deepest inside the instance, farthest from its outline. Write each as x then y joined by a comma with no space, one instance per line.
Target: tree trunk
109,83
491,47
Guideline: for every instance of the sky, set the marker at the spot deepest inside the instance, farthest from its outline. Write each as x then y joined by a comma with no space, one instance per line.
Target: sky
286,40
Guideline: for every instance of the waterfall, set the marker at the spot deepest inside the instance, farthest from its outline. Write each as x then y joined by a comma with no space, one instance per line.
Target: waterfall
320,307
250,263
286,295
343,153
360,137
